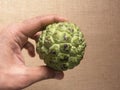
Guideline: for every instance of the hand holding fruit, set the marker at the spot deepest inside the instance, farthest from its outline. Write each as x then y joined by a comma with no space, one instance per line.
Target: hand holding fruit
14,74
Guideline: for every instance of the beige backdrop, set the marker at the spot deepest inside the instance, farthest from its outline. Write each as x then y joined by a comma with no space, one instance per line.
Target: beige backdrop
99,21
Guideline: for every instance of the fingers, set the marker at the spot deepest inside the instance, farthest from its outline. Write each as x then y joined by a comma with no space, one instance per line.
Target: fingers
30,48
32,26
42,73
36,36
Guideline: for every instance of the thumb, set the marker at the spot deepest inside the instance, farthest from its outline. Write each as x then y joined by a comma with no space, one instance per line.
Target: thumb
36,74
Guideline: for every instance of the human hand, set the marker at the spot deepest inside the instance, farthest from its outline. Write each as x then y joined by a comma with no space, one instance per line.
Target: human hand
14,74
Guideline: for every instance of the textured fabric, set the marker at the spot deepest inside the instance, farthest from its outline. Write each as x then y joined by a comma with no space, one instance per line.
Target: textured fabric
100,22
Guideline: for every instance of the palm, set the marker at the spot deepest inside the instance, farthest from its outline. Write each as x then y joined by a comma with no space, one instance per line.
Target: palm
14,74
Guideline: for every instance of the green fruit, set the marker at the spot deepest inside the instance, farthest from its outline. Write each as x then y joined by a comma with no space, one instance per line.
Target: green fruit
61,46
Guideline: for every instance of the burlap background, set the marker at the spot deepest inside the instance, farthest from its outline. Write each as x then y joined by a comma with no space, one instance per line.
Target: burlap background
99,21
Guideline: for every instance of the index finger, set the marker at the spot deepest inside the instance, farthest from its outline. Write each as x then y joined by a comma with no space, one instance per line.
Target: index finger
32,26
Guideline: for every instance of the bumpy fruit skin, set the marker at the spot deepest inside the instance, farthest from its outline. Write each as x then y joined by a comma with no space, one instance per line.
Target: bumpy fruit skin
61,46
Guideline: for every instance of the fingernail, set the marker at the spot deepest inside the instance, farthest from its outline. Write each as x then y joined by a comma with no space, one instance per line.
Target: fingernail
59,75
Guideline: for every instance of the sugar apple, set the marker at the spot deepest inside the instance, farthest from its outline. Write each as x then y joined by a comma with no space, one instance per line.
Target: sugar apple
61,46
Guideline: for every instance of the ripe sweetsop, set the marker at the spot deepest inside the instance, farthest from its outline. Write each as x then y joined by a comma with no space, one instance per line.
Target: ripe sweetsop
61,46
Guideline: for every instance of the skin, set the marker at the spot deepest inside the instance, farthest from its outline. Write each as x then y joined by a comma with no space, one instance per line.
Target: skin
14,74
